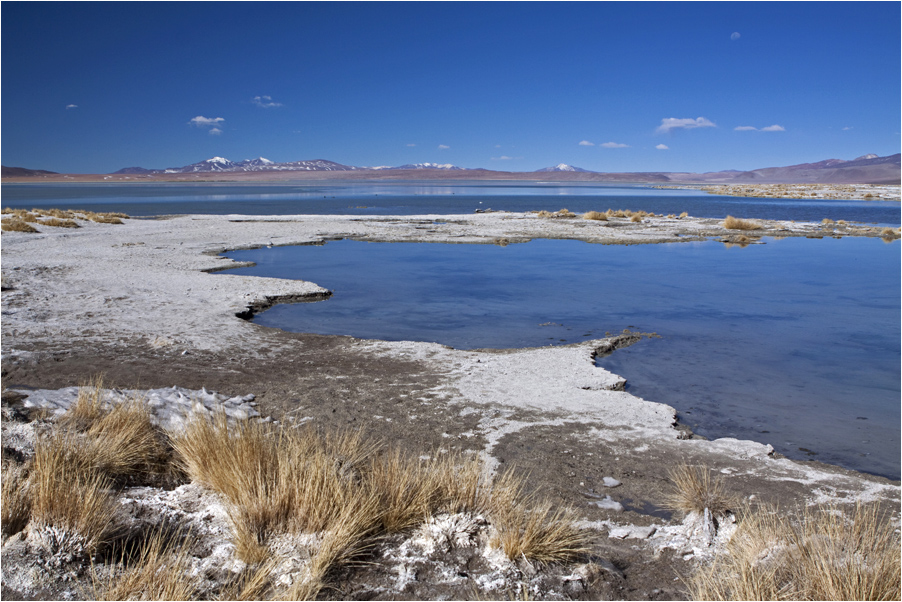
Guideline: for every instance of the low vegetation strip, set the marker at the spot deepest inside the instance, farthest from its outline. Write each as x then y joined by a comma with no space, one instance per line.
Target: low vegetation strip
18,220
337,493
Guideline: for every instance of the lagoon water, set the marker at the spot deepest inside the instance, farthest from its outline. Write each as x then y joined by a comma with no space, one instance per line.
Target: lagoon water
793,342
409,198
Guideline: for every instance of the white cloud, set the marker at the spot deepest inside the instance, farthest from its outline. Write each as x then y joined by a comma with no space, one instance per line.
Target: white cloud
215,131
662,147
201,121
71,106
265,102
411,144
770,128
443,147
847,128
669,124
735,35
615,145
586,143
502,158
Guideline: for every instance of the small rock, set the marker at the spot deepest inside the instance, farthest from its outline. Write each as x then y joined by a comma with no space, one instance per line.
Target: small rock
611,482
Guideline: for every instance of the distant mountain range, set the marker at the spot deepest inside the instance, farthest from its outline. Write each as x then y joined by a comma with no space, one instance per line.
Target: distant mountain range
869,169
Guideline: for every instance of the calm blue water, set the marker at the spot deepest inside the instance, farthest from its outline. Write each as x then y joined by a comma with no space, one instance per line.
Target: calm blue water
795,342
408,198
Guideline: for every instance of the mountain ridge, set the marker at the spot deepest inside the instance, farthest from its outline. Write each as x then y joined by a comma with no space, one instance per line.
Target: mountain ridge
865,169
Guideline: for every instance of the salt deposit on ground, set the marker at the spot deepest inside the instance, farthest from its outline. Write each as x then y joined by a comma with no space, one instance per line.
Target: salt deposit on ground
170,408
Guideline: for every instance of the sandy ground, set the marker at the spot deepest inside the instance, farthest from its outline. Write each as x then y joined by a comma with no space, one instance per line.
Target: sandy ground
139,303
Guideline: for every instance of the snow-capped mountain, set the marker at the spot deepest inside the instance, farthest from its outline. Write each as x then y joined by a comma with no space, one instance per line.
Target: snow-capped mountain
447,166
258,164
563,167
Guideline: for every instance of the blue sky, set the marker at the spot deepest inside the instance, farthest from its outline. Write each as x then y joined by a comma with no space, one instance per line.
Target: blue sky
636,86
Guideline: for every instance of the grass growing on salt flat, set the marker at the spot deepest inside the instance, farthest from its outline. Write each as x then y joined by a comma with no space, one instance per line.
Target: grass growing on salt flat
824,554
734,223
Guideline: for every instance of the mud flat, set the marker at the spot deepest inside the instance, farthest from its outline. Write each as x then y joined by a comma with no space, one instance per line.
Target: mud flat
138,302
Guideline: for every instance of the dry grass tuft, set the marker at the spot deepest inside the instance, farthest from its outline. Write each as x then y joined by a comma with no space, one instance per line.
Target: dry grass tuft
684,214
72,506
59,223
161,572
562,213
636,218
596,215
531,530
734,223
695,490
88,407
824,555
16,225
15,507
888,234
827,221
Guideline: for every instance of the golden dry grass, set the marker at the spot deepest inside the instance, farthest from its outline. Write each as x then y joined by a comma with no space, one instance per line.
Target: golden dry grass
533,530
561,213
684,214
595,215
59,223
824,554
636,218
695,489
888,234
734,223
15,506
16,225
73,507
161,571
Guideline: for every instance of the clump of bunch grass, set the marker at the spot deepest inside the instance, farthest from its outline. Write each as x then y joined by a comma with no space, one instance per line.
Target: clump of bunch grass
161,571
596,216
16,225
526,528
59,223
824,554
15,506
561,213
888,234
73,507
735,223
695,490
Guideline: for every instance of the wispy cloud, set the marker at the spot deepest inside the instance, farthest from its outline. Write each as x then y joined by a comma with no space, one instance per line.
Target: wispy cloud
586,143
669,124
71,106
614,145
735,36
443,147
411,144
769,128
662,147
848,127
201,121
215,131
265,102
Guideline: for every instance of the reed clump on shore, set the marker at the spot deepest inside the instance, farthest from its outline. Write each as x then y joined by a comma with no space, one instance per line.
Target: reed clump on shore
735,223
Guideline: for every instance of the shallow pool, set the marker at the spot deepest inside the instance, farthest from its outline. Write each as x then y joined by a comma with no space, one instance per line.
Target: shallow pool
794,342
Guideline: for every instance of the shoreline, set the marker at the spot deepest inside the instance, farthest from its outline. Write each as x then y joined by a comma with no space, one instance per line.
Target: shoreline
138,302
